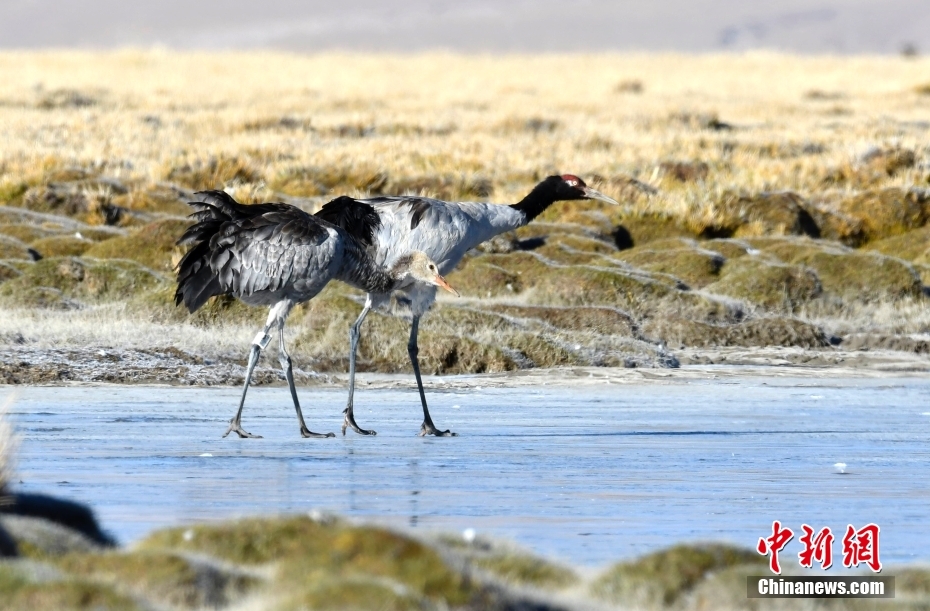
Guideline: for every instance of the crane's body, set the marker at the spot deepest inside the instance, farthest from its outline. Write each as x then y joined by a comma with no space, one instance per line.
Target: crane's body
445,231
278,255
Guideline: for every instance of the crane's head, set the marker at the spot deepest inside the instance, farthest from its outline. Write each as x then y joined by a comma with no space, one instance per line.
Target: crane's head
569,187
423,269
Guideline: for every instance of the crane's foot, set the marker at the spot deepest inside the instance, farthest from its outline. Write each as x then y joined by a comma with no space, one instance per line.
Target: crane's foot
427,428
349,422
236,427
305,432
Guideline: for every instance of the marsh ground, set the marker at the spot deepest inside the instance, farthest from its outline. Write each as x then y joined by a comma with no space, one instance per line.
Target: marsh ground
768,201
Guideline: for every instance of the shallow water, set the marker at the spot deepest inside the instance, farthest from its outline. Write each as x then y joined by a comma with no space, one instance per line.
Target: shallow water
588,474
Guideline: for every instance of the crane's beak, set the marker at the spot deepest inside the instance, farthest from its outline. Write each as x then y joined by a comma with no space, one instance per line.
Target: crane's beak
441,282
593,194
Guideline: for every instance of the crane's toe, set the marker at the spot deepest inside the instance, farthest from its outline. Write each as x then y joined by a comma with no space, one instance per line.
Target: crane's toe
305,432
349,422
236,427
429,429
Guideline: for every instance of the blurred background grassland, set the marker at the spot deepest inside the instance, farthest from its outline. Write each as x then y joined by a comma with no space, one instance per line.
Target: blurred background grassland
768,199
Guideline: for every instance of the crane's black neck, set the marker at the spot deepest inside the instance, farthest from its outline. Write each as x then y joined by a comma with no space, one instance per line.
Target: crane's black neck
541,197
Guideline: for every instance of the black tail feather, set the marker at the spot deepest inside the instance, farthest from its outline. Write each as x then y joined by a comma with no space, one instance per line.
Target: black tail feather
356,218
197,281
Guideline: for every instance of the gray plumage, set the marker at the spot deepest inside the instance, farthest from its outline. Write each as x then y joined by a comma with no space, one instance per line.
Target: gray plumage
278,255
445,231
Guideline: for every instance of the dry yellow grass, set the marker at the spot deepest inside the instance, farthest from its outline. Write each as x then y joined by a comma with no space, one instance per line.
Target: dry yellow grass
749,147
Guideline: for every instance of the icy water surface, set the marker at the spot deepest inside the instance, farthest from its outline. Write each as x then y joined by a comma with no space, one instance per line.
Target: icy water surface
589,475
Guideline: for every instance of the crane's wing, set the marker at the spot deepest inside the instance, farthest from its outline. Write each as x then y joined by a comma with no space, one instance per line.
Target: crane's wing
273,251
243,249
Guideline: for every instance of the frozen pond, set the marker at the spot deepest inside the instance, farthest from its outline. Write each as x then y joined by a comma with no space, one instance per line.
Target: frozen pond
589,474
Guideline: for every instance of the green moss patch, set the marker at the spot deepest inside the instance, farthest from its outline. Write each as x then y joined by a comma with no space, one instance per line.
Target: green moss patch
525,570
152,245
661,579
61,246
911,246
165,578
81,279
19,593
864,276
11,248
886,212
648,228
25,232
770,213
767,331
696,267
773,285
599,319
321,560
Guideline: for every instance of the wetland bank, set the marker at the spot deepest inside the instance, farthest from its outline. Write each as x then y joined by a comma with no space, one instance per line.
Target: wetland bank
773,233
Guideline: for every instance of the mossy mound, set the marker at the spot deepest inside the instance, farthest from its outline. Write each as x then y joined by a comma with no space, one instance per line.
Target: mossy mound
571,249
542,229
911,246
444,347
160,199
792,249
329,564
523,570
777,213
584,286
152,245
20,592
886,212
838,226
164,578
728,247
680,331
772,285
603,320
62,246
864,276
8,272
11,248
86,203
82,279
544,284
696,267
629,231
25,232
659,580
565,255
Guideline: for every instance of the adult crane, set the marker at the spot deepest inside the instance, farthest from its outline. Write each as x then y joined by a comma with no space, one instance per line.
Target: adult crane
277,255
445,231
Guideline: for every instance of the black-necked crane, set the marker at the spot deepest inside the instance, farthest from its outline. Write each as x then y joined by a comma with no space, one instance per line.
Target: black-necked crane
277,255
445,231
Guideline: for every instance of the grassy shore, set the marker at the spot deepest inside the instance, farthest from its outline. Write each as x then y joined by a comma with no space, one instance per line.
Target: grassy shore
768,200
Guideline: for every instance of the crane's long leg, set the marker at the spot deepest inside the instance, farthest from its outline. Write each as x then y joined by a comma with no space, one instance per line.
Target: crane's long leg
354,334
285,359
427,428
258,344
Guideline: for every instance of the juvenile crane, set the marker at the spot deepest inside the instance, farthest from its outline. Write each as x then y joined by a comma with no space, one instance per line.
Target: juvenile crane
277,255
445,231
